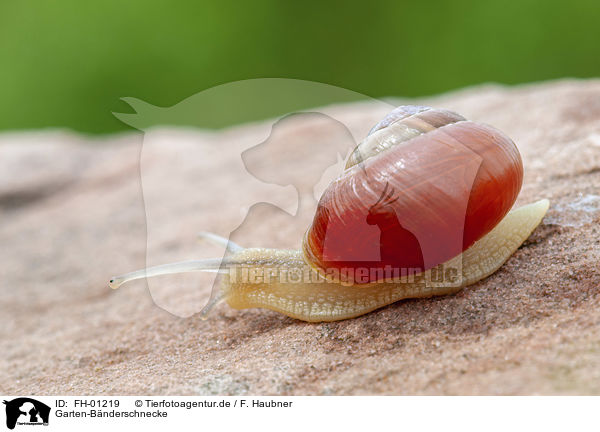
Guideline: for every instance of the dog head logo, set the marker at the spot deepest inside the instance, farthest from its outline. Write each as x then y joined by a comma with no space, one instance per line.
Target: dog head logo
26,411
186,172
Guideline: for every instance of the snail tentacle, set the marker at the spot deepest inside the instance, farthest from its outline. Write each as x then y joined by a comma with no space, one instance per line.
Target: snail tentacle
216,298
229,245
213,265
207,265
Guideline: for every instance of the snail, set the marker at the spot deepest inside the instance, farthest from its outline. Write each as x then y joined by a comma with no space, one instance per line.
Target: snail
422,208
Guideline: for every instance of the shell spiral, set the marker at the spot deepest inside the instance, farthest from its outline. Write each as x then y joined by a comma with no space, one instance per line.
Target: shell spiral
423,186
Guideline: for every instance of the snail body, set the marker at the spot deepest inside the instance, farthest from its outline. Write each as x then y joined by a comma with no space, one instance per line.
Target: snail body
439,189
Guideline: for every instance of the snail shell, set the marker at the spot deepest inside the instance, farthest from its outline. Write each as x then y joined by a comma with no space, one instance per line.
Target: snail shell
433,182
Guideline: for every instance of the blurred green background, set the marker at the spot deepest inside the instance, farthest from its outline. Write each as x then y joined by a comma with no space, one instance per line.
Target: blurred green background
66,63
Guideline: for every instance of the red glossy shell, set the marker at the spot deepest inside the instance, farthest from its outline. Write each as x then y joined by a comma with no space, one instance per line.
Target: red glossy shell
416,204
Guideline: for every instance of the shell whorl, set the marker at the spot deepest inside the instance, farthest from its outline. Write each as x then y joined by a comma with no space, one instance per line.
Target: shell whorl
401,125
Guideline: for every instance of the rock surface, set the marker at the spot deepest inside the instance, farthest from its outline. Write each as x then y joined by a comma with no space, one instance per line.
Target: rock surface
72,214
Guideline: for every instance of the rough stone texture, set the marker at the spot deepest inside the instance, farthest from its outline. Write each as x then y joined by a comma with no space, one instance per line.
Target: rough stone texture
72,215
